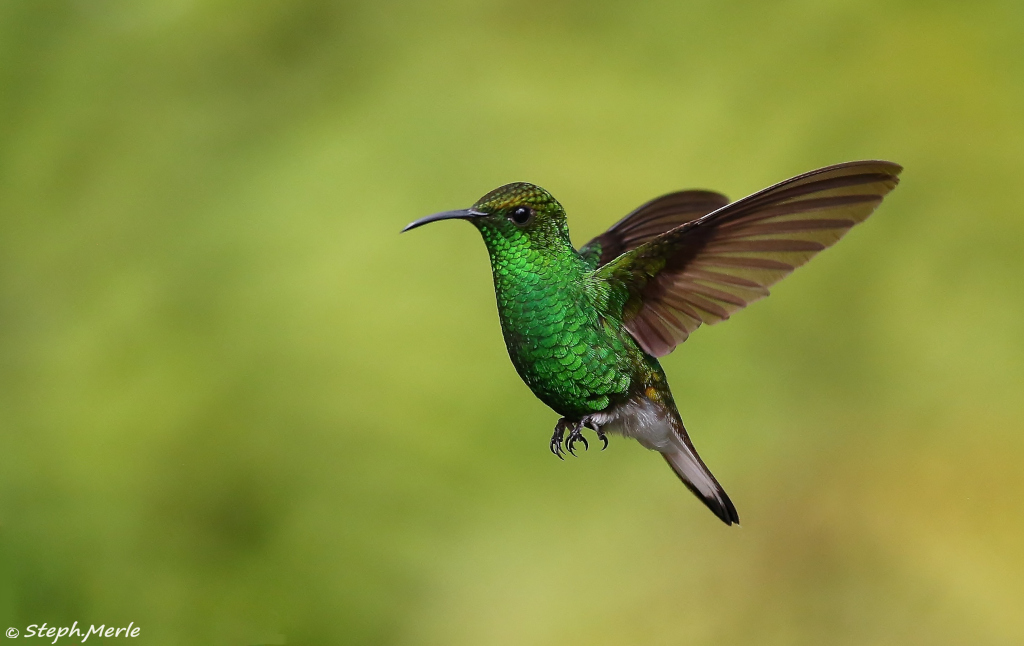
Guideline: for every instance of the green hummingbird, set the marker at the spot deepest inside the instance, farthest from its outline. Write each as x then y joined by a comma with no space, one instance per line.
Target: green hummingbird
584,328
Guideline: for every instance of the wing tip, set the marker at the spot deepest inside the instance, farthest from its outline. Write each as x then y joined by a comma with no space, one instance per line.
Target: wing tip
895,168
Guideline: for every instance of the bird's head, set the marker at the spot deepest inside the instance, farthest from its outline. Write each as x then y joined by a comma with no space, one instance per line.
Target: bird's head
513,216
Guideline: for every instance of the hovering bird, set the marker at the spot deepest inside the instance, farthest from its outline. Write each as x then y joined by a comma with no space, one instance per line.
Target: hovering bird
584,328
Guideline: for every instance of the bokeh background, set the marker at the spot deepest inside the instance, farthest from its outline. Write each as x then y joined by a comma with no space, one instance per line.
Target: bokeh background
236,407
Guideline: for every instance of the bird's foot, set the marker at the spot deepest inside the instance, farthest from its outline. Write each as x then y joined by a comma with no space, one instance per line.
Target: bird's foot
556,438
576,435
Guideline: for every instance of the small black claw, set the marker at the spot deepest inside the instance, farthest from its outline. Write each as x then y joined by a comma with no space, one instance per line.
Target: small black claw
556,447
576,436
556,441
589,423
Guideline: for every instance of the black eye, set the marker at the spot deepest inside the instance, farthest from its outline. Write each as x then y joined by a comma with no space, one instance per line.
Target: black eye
521,215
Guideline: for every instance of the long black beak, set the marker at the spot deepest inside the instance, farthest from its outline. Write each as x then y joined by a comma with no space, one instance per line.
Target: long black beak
460,214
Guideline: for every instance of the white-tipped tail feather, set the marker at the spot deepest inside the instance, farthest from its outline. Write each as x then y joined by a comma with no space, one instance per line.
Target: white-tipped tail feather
696,476
660,429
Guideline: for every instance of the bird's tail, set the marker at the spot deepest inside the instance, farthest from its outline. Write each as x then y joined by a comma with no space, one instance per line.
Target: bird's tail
683,459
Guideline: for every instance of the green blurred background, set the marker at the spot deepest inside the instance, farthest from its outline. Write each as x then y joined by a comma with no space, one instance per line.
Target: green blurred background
238,408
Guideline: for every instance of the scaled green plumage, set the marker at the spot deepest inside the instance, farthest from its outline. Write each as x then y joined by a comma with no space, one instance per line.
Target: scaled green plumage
583,328
566,344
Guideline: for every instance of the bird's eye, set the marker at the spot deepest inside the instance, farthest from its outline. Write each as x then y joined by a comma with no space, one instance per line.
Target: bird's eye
521,215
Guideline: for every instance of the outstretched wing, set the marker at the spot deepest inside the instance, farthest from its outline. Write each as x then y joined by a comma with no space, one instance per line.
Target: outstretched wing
706,269
648,221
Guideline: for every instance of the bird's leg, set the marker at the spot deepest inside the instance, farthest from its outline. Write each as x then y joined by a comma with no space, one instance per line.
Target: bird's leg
576,435
591,424
556,438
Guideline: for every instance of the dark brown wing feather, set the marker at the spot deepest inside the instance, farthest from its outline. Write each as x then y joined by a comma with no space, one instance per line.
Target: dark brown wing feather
706,269
650,220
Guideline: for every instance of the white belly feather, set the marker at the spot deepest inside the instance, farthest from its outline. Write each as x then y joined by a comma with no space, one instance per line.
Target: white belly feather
641,419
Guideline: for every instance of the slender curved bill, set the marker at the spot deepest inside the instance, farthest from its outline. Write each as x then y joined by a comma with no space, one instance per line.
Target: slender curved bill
459,214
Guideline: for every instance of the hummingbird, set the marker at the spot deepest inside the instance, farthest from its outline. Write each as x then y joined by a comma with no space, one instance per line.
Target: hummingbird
585,327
